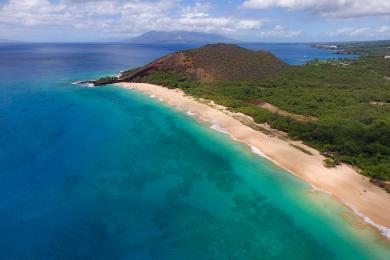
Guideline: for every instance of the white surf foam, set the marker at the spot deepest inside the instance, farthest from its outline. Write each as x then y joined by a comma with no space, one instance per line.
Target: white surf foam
316,189
120,74
81,84
257,151
190,113
218,128
384,230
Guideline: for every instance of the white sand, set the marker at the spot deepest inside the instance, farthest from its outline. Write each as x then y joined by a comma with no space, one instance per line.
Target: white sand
344,182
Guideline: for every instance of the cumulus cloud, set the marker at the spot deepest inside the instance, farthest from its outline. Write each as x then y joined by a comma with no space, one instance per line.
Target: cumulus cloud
383,29
119,17
350,32
280,31
327,8
197,10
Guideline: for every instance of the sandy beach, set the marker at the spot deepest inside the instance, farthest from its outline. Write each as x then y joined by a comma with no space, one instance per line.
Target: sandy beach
344,182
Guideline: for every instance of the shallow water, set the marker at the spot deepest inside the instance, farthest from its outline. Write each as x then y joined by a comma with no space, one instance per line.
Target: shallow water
109,173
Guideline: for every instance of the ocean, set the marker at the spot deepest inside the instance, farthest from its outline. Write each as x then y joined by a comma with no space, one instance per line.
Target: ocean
108,173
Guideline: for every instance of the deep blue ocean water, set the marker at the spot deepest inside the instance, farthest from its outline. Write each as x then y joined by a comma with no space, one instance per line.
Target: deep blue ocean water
297,53
107,173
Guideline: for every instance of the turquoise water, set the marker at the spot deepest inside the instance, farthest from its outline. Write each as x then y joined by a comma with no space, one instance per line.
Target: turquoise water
107,173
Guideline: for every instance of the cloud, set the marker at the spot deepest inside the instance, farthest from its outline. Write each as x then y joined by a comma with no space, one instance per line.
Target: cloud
30,13
119,17
280,31
349,31
327,8
197,10
361,32
383,29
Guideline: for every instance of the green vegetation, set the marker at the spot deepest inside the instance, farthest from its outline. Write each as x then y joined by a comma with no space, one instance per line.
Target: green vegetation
301,149
105,81
341,93
330,163
167,79
128,72
373,48
345,101
231,62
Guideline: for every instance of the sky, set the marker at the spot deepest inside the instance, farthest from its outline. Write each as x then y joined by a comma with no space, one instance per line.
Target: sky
247,20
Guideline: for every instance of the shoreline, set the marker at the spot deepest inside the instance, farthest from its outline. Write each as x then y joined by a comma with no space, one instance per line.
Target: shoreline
366,200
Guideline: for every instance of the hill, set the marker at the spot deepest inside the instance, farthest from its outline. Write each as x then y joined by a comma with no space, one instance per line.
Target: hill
180,37
211,63
340,107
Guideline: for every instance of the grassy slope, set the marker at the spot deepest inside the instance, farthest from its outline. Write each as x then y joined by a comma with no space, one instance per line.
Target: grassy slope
231,62
212,62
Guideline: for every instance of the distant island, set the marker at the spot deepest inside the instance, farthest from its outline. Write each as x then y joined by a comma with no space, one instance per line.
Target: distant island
338,108
179,37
